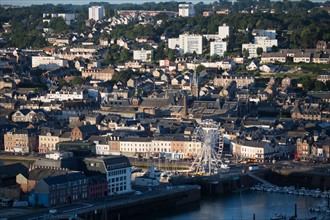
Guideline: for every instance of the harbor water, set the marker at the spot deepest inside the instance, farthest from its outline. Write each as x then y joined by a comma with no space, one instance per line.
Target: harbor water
243,206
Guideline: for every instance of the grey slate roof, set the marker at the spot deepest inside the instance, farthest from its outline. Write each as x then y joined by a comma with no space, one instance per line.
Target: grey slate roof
65,178
40,173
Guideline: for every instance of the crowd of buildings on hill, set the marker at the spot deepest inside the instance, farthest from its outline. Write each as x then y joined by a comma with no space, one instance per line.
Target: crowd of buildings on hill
153,114
165,89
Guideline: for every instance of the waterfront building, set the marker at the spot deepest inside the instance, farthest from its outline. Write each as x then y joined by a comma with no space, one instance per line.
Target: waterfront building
58,190
303,149
152,179
49,138
77,147
186,10
96,13
28,181
117,170
257,150
97,187
20,141
8,174
171,147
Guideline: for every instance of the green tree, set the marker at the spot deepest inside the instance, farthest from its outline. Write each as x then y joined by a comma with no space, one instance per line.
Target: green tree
200,68
246,53
58,25
124,55
327,85
62,83
259,51
319,86
171,54
308,83
77,81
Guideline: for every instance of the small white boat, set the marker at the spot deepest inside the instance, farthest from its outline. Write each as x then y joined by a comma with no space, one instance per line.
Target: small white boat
278,216
164,174
135,169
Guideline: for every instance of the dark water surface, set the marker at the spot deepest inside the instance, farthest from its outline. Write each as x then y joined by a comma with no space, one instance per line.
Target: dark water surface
242,206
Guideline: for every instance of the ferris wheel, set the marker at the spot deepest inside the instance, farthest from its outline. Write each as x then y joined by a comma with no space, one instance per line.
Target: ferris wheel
208,160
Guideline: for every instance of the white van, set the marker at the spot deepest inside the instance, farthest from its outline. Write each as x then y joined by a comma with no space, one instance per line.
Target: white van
20,204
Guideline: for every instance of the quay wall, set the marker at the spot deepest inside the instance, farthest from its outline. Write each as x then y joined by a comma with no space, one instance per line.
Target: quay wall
143,206
311,180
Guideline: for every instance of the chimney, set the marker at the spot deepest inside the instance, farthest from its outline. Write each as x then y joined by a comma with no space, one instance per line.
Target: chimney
185,106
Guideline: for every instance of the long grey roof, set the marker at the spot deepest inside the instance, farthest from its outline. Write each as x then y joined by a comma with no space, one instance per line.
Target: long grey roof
65,178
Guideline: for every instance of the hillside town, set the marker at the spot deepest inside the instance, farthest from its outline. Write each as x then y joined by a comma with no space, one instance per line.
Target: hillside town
106,99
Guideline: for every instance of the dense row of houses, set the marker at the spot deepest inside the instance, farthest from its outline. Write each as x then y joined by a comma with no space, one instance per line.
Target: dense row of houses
52,183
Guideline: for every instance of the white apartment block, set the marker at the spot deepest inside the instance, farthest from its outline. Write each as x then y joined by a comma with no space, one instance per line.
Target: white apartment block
252,48
265,43
67,17
223,31
186,10
79,94
218,48
143,55
191,43
271,34
117,170
48,63
96,13
173,43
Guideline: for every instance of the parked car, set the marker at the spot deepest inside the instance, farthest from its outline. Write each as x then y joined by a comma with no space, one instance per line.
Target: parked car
52,211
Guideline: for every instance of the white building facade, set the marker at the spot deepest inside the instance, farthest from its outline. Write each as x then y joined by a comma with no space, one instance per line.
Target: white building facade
218,48
79,94
186,10
48,63
191,43
96,13
118,176
223,31
143,55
